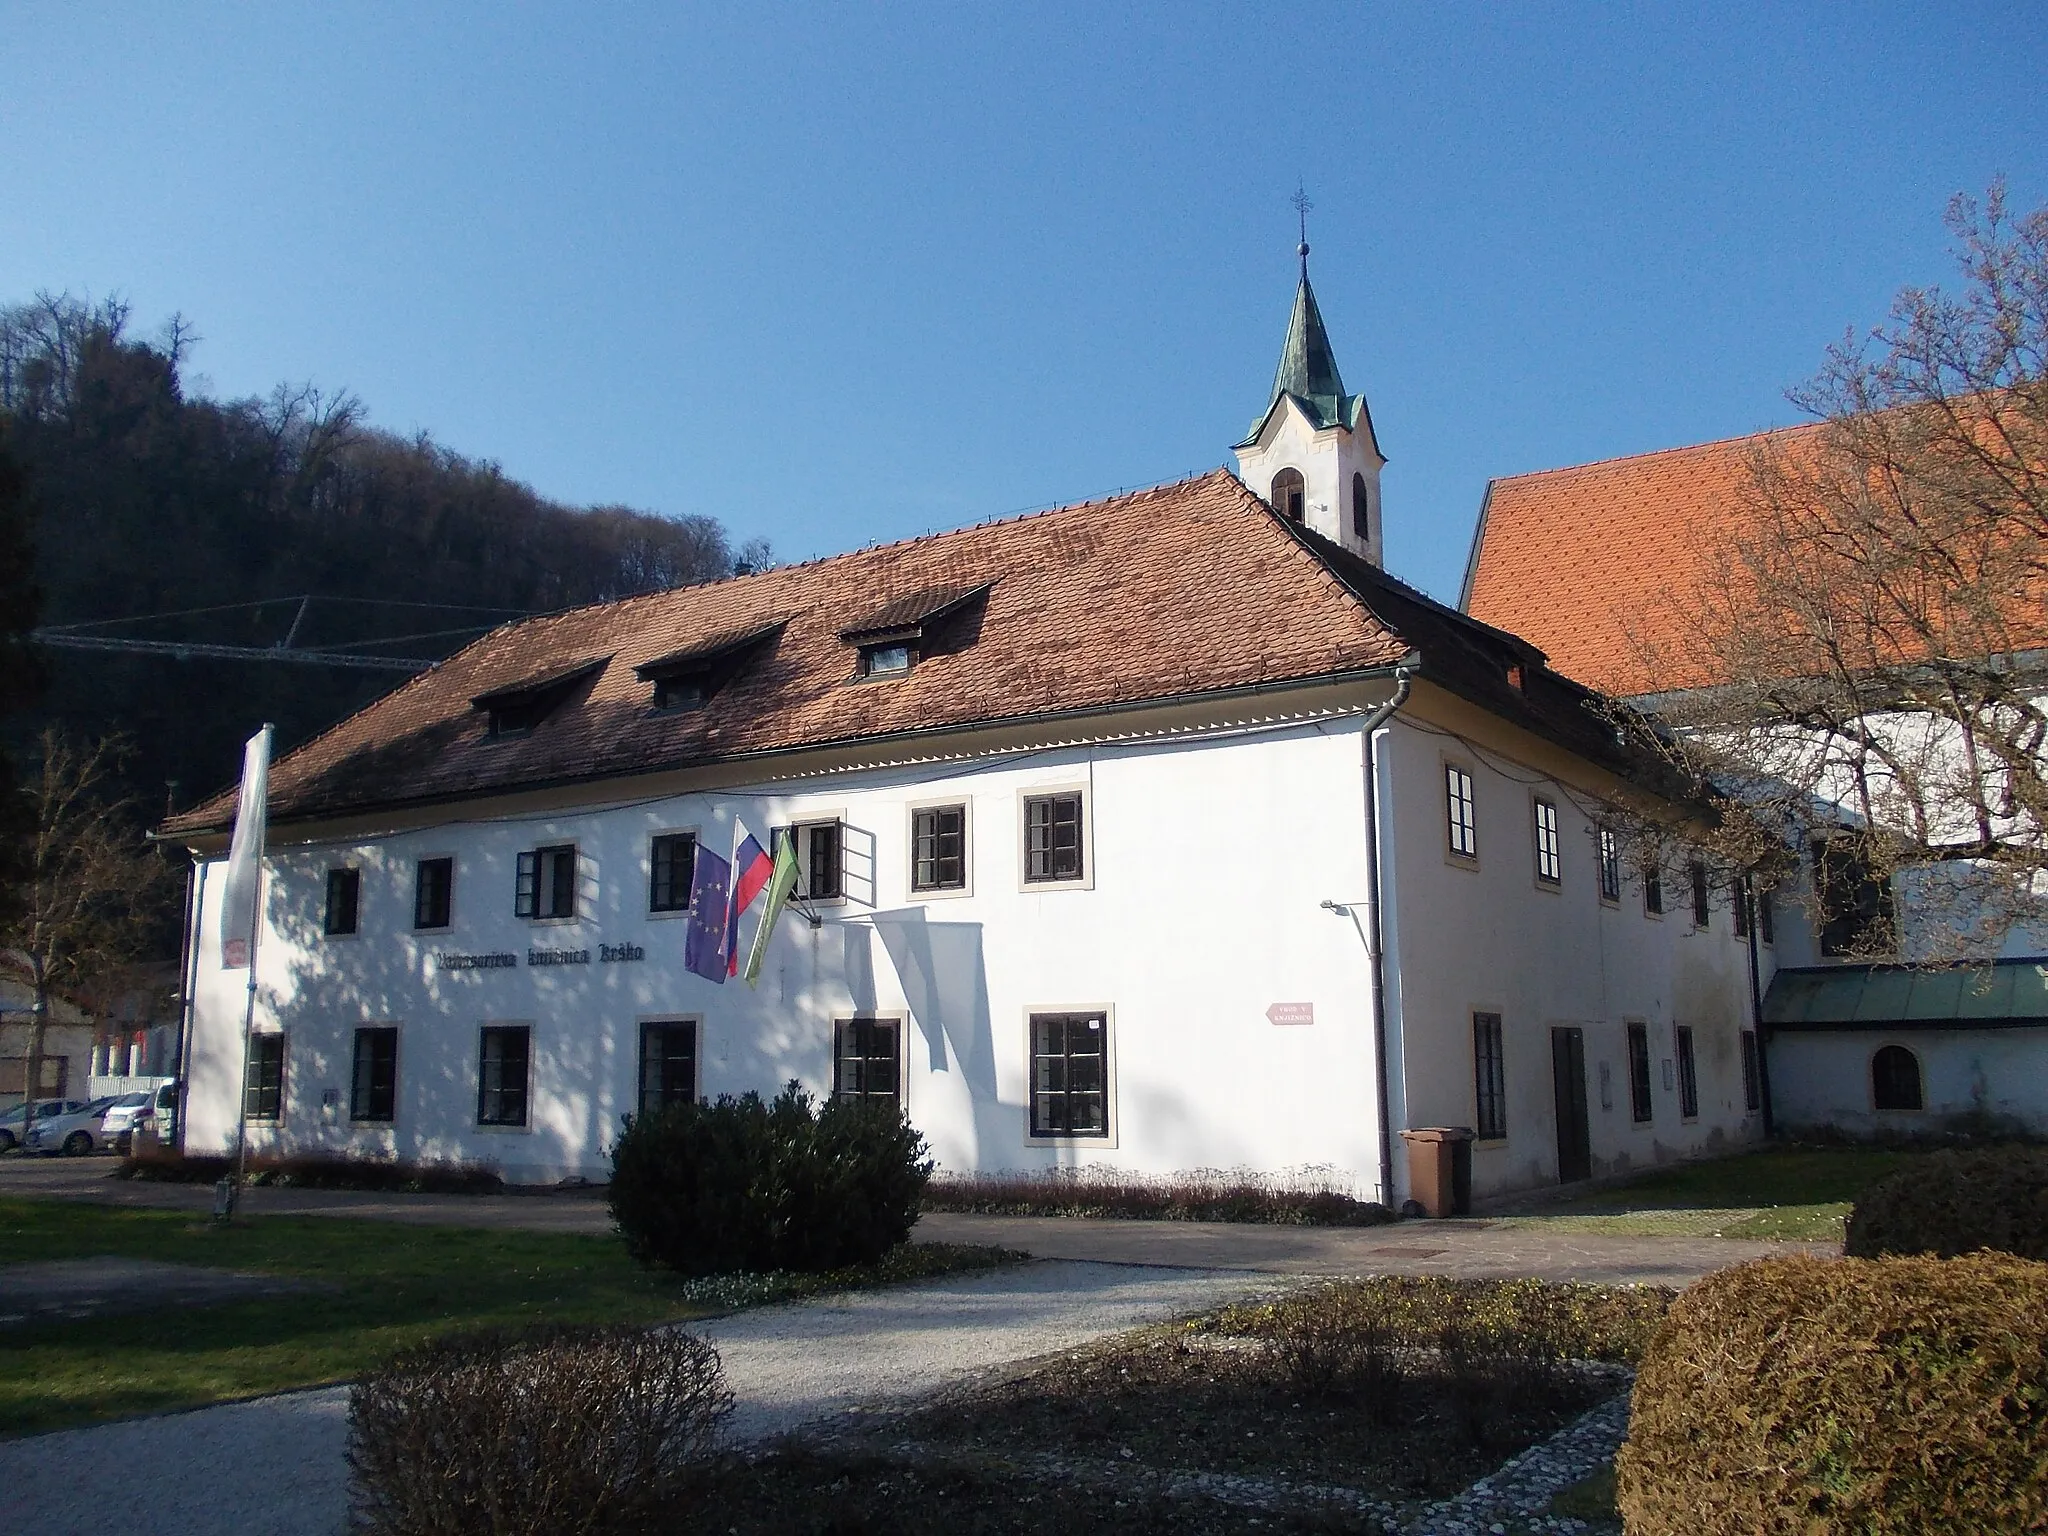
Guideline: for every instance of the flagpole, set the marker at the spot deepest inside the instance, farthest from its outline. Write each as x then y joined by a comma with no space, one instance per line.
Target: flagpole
228,1193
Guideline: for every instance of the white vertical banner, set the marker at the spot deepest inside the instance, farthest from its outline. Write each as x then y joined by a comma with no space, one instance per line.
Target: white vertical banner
244,886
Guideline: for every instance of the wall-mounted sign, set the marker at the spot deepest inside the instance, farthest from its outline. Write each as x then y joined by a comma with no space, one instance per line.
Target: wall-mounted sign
616,954
1291,1013
558,957
493,962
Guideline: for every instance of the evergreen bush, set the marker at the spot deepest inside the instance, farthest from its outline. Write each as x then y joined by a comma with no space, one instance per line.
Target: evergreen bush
554,1431
1822,1396
1956,1202
742,1185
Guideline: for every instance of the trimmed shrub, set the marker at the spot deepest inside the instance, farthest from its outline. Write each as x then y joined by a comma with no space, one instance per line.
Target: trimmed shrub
576,1430
1876,1396
1200,1195
742,1185
1956,1202
318,1171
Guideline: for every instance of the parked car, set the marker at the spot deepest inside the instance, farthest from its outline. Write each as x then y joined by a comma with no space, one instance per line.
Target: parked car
73,1134
119,1125
10,1123
156,1123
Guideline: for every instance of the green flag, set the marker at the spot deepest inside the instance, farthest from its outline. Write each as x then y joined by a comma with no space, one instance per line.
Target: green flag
780,884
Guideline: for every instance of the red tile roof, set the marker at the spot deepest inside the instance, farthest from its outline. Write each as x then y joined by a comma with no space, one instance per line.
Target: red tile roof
1592,562
1184,589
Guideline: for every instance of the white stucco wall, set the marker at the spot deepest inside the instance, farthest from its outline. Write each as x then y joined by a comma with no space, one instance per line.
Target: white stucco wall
1327,459
1208,859
1822,1078
1485,935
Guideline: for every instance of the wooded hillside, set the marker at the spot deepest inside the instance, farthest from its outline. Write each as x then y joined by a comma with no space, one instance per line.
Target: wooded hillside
145,501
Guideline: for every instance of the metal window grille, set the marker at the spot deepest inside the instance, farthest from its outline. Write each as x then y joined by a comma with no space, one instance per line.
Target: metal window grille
1549,855
1489,1076
867,1062
263,1089
673,862
1640,1106
501,1074
1069,1074
1752,1073
938,848
373,1084
1688,1075
1702,894
1052,837
344,894
433,893
1464,827
823,864
1610,865
668,1066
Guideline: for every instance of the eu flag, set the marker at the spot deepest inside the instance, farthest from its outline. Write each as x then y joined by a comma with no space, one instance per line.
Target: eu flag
705,944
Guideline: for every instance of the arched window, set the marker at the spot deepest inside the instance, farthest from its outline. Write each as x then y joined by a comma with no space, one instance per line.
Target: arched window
1290,494
1895,1078
1361,509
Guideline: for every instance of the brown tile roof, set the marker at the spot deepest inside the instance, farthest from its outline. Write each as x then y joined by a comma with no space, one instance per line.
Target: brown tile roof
1183,589
1590,562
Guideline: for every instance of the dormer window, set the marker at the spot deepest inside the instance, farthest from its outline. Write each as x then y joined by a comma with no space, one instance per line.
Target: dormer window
685,680
899,634
891,660
517,708
1290,495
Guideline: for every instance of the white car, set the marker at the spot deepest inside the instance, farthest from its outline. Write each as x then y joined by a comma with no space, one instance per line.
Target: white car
73,1134
121,1116
10,1123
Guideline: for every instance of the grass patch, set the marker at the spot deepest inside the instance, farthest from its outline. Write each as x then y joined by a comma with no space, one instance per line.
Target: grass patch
1590,1498
390,1285
1783,1193
1229,1195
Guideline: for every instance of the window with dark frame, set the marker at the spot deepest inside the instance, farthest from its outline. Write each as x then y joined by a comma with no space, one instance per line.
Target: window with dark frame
1895,1079
686,691
821,850
1069,1074
263,1087
546,882
1688,1075
938,848
1052,837
1740,906
672,861
433,893
1653,888
1361,509
1549,852
504,1054
1463,823
1610,865
1702,893
867,1060
1855,905
890,659
1752,1073
668,1065
373,1082
1290,495
1641,1106
1489,1076
1766,918
344,900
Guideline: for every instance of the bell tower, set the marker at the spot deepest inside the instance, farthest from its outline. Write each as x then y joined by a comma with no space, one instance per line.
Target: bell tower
1312,454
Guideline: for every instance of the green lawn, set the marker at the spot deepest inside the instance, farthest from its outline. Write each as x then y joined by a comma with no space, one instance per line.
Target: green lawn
1797,1192
386,1285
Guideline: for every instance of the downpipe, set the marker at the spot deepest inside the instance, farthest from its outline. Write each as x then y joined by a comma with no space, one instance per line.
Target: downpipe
1404,678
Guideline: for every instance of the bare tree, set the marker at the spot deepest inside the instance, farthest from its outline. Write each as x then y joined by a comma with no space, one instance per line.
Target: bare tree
1872,647
89,883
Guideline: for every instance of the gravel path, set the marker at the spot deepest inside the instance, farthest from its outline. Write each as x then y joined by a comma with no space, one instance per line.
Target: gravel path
273,1467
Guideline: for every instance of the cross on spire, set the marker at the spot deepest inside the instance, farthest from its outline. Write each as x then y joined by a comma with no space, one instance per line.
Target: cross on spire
1301,208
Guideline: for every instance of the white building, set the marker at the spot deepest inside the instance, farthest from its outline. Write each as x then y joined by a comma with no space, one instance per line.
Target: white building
1592,563
1096,809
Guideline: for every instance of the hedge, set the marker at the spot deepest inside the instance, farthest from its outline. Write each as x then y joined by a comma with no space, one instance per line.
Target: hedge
1956,1202
1881,1397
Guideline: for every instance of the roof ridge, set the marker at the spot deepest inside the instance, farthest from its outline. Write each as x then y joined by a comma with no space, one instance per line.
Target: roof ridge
1659,453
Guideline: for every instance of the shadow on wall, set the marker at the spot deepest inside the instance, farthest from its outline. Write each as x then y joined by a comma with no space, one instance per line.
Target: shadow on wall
945,984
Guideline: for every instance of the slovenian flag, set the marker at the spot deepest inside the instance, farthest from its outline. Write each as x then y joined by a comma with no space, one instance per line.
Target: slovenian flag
779,887
710,932
752,869
242,900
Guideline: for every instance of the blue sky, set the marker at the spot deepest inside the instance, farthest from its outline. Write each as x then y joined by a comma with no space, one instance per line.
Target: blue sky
841,274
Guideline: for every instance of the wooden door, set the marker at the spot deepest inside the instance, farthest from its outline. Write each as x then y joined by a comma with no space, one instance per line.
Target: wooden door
1568,1083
